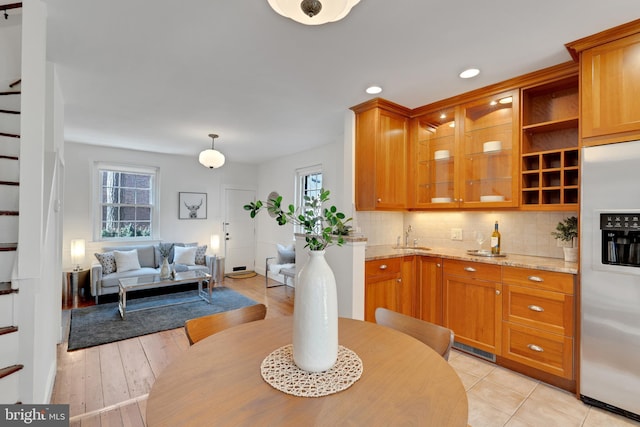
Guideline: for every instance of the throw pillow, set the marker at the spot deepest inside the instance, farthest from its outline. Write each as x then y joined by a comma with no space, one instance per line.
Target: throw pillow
180,268
201,253
184,255
108,262
286,254
126,260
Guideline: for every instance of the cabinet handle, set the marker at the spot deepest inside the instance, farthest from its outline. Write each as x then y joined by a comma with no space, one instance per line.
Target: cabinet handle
383,266
535,279
534,347
536,308
438,265
470,269
497,292
379,200
399,280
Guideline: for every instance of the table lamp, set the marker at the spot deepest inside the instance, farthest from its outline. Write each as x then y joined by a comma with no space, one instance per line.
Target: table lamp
77,253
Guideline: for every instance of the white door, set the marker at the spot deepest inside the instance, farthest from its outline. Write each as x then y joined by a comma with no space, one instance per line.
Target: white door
239,231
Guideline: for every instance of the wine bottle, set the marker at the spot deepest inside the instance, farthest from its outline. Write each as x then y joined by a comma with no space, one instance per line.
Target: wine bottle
495,241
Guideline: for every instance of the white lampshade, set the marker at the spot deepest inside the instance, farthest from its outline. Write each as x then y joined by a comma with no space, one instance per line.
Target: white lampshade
332,10
77,252
211,158
215,243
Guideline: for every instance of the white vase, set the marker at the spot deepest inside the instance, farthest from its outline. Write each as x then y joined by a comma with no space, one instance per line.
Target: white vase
315,316
570,254
165,271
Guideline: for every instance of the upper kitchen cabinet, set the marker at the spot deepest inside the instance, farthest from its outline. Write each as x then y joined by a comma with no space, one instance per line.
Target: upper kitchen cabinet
550,143
490,151
609,84
381,155
433,156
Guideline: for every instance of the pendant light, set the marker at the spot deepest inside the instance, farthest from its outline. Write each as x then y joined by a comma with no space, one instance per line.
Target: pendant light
313,12
211,158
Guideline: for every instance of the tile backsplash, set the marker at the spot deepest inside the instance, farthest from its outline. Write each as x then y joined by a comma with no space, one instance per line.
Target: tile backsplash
523,233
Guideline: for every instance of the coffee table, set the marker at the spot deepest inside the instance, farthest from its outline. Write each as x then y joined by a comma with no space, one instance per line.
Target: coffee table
128,284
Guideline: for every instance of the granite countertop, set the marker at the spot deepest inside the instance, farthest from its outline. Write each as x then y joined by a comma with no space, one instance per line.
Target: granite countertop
525,261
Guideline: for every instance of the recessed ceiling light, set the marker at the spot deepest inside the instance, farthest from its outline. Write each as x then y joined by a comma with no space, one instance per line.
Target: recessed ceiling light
468,73
374,90
443,116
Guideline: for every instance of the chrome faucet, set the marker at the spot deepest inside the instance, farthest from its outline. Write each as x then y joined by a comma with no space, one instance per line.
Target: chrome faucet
406,236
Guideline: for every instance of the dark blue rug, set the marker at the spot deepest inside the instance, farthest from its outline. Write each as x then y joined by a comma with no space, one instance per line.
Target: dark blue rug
101,324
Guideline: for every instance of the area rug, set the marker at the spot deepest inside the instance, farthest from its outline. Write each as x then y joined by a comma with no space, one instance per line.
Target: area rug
101,324
242,275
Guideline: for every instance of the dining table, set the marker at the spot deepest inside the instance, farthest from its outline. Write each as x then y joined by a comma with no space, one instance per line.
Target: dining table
218,382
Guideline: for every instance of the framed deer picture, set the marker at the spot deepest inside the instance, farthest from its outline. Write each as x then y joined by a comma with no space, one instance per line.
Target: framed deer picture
192,206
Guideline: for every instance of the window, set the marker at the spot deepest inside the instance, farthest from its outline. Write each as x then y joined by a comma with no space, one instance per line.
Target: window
308,184
125,207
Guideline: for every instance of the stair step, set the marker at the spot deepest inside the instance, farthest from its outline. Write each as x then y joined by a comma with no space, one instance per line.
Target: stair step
6,247
9,111
9,183
10,135
11,92
5,372
9,157
5,288
8,330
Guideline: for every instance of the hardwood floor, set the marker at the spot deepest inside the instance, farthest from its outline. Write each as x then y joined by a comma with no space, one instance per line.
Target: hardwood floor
108,385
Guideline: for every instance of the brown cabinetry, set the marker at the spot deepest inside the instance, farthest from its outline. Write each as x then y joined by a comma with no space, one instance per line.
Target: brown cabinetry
381,155
609,84
538,313
388,284
549,144
428,283
472,300
489,151
434,155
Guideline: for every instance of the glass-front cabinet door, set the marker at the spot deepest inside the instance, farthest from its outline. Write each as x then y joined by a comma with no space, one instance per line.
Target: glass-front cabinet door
434,158
489,138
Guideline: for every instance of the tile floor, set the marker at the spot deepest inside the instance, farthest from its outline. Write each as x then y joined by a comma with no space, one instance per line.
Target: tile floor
499,397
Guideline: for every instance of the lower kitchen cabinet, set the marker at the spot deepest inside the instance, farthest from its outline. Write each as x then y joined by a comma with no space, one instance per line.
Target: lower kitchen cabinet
472,301
388,284
539,320
429,287
525,317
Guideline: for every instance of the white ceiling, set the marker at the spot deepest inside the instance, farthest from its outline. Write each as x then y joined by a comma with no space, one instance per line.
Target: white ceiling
161,75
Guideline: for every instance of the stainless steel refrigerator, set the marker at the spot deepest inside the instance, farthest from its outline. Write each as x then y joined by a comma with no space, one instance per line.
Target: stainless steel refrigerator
610,277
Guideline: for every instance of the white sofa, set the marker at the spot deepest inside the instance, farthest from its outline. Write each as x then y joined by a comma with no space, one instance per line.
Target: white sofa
149,259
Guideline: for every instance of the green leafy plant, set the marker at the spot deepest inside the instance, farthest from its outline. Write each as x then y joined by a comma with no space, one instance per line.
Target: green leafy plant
165,249
322,226
566,230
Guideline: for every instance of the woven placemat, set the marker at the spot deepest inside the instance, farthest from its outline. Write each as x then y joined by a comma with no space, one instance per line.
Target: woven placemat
279,370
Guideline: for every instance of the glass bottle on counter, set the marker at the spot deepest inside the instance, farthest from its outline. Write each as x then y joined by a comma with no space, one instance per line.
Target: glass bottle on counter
495,241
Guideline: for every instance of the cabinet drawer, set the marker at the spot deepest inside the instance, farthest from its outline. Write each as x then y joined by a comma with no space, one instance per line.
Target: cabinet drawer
541,350
546,310
383,267
539,279
473,270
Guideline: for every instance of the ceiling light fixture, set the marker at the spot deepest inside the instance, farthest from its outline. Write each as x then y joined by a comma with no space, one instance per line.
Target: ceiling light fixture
469,72
373,90
211,158
313,12
507,100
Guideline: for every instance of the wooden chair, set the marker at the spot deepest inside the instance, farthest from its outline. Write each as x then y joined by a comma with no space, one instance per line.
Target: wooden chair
437,337
201,327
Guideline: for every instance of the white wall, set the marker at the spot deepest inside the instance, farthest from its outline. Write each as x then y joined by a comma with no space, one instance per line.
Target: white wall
279,175
176,174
